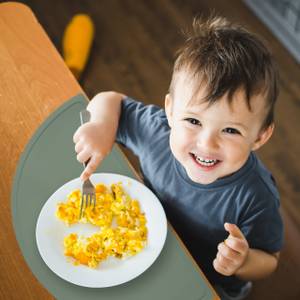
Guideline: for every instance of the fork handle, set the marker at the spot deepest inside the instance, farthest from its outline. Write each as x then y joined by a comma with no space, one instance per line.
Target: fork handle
85,117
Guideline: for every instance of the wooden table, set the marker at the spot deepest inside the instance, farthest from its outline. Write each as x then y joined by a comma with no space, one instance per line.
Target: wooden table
34,82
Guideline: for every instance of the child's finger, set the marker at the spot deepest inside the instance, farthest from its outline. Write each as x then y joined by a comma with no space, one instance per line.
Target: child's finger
79,146
234,230
83,156
220,268
224,261
76,135
85,175
228,252
91,166
238,245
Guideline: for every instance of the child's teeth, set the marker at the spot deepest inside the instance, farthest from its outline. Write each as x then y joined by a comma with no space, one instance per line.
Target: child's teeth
206,162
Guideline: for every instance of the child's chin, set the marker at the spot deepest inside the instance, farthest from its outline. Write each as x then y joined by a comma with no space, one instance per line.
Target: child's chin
202,179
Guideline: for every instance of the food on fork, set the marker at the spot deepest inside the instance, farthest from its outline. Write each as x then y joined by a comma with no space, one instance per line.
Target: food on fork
122,226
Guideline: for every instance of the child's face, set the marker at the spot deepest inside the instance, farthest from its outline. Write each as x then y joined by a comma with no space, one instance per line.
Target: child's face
214,141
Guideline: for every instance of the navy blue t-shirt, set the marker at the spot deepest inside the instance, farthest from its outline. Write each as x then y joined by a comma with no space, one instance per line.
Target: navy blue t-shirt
247,198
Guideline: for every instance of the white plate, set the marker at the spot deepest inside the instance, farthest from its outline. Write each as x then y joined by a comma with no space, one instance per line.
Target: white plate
50,233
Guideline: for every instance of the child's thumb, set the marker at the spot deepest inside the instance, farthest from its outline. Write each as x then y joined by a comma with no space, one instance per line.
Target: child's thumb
234,230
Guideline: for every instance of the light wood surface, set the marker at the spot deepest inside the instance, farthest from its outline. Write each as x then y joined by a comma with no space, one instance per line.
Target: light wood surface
34,81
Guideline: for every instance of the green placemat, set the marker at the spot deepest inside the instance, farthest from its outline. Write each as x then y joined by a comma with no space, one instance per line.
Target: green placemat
47,163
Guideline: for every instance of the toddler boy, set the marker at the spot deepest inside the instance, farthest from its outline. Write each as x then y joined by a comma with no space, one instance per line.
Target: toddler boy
198,156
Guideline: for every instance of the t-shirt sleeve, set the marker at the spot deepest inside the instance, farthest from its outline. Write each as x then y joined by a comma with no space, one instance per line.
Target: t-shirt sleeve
263,228
137,124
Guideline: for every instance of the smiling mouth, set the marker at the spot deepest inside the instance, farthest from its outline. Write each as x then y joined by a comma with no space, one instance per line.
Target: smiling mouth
205,162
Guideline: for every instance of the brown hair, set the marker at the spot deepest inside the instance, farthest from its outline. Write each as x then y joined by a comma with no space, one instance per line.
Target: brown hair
226,58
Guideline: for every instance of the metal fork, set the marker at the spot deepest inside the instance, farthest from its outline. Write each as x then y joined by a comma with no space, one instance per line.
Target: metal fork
88,195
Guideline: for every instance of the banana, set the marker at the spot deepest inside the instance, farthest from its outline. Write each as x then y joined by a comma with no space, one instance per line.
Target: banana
77,42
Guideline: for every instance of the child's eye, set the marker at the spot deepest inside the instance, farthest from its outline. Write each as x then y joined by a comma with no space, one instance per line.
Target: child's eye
231,131
193,121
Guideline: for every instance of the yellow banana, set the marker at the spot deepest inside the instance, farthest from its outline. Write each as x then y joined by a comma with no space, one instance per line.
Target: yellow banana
77,42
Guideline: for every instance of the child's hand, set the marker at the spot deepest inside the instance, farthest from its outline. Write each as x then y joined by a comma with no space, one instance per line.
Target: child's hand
232,253
93,141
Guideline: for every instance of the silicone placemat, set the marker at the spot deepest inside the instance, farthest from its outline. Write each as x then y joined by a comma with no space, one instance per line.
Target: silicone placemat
48,162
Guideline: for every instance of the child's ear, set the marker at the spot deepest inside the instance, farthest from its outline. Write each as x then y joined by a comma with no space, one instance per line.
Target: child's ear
168,108
263,137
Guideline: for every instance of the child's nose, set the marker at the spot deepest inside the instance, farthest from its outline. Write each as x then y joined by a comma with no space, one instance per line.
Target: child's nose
207,141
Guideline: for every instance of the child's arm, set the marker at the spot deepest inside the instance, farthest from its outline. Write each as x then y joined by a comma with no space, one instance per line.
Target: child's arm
258,264
95,139
234,257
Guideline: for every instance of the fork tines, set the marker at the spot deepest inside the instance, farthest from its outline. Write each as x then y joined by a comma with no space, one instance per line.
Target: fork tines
87,200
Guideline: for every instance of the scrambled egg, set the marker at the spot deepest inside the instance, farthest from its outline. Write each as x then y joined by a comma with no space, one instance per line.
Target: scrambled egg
122,226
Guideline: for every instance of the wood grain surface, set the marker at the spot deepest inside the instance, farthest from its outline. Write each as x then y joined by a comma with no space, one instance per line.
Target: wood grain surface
33,82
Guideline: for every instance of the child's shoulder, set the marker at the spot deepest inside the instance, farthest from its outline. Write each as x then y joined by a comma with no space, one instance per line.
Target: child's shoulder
262,180
266,178
147,112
